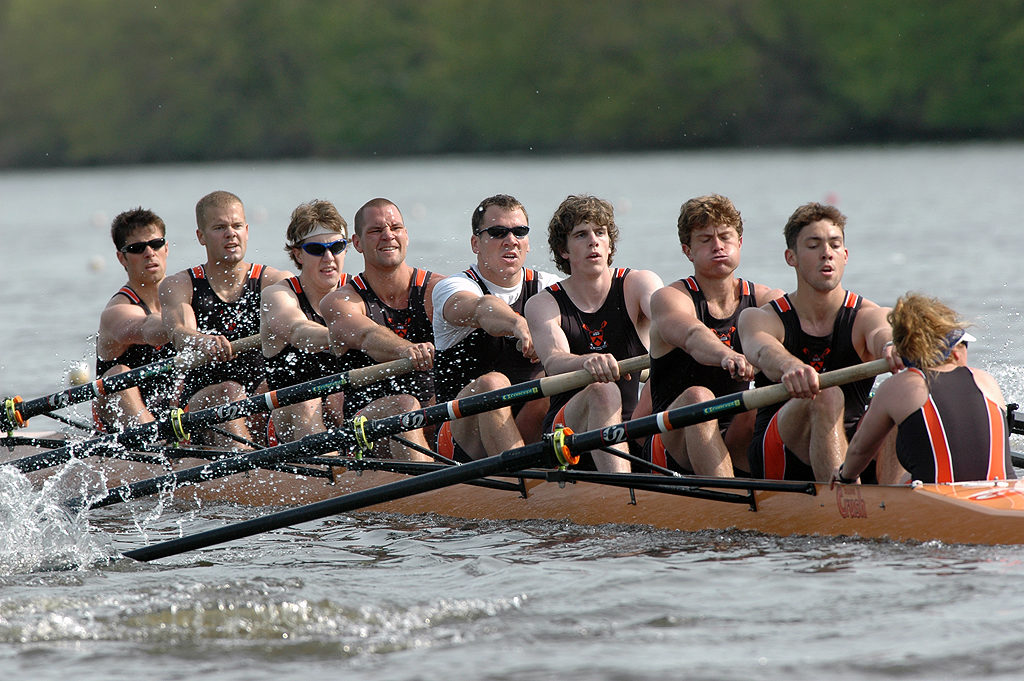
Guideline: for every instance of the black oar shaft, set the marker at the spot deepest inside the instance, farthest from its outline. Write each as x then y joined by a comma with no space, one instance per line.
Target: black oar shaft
23,411
264,402
532,455
503,397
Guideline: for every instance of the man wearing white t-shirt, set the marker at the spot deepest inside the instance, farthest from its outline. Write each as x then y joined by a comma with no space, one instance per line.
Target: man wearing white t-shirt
482,339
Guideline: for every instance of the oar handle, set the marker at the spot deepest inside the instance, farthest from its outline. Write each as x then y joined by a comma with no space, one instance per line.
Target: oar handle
561,383
773,394
184,361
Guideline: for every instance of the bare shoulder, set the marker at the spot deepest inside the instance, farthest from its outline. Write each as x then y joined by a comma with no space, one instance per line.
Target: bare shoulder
671,299
643,280
178,284
344,301
988,385
540,306
272,275
765,294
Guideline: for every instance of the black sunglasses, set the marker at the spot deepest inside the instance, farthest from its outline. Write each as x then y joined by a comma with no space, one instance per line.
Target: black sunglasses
502,232
317,249
140,246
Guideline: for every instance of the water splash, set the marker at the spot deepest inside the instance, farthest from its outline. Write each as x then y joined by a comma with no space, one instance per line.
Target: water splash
39,532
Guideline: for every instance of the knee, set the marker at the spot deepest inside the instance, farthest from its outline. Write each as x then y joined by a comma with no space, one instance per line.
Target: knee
829,403
693,395
604,396
486,383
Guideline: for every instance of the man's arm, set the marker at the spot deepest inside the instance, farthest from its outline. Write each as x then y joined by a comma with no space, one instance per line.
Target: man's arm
872,335
675,318
350,329
491,314
761,335
283,322
123,324
544,319
179,320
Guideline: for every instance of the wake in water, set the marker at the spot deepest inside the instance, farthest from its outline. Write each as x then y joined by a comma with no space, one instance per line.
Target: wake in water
39,532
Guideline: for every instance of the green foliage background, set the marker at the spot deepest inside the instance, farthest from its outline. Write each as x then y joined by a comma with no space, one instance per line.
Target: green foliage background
118,81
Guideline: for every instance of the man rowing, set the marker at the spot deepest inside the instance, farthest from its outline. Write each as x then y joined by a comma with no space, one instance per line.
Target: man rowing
294,335
209,305
131,331
819,327
590,320
483,341
949,419
383,314
695,351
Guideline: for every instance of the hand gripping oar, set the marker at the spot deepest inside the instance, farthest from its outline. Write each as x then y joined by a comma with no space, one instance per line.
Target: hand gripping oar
370,431
178,423
16,412
336,438
557,448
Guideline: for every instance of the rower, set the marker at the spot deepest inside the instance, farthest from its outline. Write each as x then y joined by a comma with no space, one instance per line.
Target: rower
209,305
819,327
695,351
131,331
591,319
483,341
294,336
948,418
383,314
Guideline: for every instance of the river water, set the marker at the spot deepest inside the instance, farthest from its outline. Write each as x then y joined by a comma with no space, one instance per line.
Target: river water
385,597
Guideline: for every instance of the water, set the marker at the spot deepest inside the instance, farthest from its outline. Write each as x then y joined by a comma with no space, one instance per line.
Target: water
385,597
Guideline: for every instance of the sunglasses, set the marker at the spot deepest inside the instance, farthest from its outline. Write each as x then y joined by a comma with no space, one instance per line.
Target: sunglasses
501,232
140,246
317,249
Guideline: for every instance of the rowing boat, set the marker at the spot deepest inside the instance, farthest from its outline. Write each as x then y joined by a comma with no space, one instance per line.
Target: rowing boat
975,512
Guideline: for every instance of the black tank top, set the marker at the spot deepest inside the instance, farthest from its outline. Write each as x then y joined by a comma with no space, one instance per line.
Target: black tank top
957,435
291,365
157,389
480,353
609,330
676,370
410,323
824,353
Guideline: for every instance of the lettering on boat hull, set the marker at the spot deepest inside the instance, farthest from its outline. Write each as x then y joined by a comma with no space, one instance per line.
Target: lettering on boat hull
849,502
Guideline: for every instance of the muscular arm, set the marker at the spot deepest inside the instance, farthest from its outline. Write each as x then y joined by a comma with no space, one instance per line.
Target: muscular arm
491,314
677,326
179,320
872,335
123,324
761,334
283,322
544,319
350,329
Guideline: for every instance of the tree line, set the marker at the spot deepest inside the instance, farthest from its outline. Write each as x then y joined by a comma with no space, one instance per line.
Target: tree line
113,81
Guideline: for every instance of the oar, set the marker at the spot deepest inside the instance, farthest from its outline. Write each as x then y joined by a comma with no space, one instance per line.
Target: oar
546,386
547,452
177,424
16,412
337,438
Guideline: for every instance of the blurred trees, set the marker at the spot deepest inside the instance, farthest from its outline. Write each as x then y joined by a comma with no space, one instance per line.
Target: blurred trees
110,81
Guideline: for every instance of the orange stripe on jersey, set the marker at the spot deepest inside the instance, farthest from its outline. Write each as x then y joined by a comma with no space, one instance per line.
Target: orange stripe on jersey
358,282
745,285
199,272
773,452
691,284
256,271
851,300
130,294
620,272
342,280
937,438
528,273
295,284
419,276
555,287
997,442
782,304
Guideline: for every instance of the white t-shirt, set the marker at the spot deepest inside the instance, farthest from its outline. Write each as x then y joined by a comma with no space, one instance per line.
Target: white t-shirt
446,334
